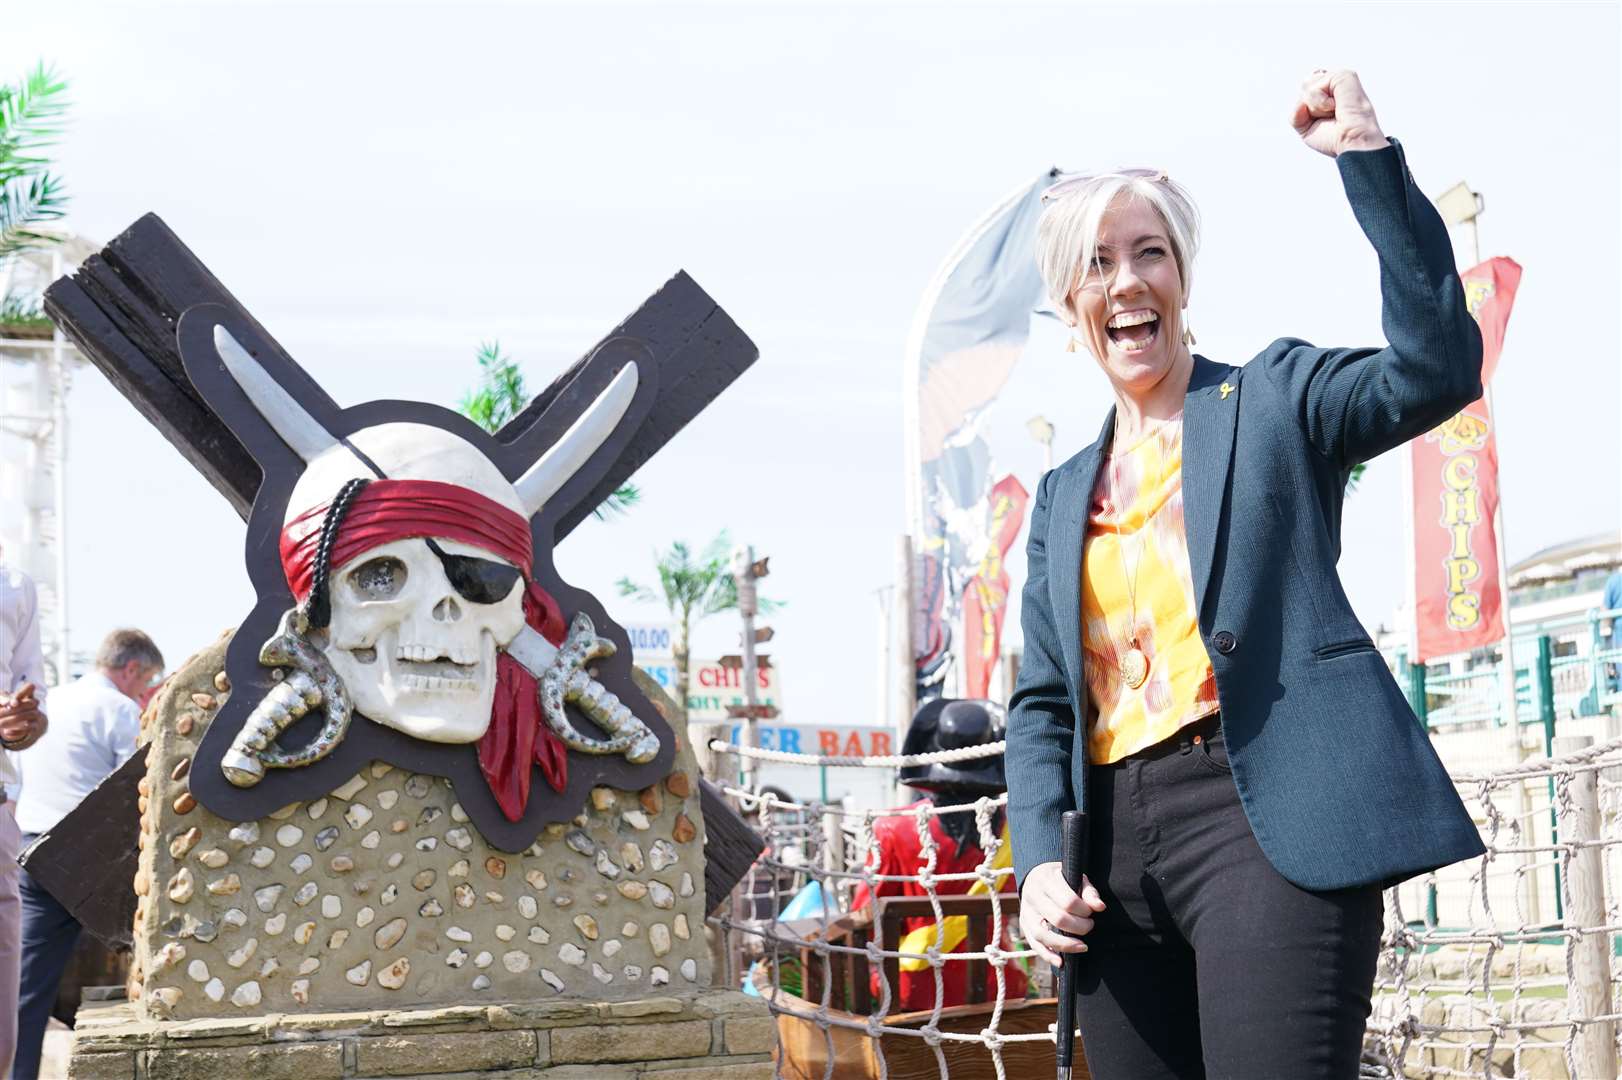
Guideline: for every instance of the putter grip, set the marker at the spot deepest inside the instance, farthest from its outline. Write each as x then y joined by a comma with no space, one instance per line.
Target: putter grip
1073,845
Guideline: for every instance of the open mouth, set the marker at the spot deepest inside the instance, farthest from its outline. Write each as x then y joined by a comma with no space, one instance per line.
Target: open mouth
1133,331
425,669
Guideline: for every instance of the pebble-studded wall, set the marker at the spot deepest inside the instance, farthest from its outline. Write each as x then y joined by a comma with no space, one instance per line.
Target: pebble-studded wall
383,895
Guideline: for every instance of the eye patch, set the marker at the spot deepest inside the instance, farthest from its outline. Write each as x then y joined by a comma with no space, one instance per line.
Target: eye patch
478,581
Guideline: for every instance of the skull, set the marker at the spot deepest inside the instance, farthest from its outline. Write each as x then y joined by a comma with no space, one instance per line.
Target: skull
415,653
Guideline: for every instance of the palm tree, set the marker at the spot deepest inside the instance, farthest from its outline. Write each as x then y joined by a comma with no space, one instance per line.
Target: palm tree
29,193
692,588
501,395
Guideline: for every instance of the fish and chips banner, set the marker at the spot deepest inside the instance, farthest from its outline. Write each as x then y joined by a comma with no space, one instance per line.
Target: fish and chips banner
1458,602
969,332
985,602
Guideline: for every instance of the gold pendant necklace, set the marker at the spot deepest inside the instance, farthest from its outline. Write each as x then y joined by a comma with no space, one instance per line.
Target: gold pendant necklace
1134,665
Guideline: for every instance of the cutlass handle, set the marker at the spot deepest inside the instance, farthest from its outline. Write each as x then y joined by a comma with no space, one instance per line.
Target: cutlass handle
1073,853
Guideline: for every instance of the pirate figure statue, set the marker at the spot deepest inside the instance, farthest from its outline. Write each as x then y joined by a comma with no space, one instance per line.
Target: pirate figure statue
944,724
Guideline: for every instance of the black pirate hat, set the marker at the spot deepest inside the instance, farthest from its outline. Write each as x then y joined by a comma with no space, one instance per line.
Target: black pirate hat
951,724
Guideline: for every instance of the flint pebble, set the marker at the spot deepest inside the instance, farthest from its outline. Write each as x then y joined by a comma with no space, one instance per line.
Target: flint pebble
630,929
431,909
288,835
661,855
270,967
505,932
276,924
338,940
300,991
390,892
605,865
515,961
457,813
689,969
659,976
659,938
381,769
571,954
182,886
680,925
550,978
309,965
360,974
633,972
600,974
351,787
364,917
316,809
184,843
418,786
357,815
429,815
214,989
371,840
229,885
481,982
587,926
612,947
538,935
603,798
262,857
301,862
460,839
631,857
331,906
459,868
304,932
536,879
428,843
394,976
284,813
648,797
483,960
464,895
527,907
457,958
213,858
387,799
632,890
636,819
686,884
234,917
395,859
456,933
197,971
423,880
340,864
243,954
679,784
244,834
306,892
326,838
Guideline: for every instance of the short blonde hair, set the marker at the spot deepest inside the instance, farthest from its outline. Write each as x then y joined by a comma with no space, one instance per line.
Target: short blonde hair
1067,232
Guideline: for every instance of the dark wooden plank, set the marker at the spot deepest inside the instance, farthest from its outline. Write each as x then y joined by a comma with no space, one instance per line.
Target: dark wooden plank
121,307
730,846
88,861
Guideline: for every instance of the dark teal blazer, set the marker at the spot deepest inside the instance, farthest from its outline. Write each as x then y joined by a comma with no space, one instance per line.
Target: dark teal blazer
1337,776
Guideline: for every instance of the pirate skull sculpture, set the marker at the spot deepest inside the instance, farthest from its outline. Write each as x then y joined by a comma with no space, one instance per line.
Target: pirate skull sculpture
409,555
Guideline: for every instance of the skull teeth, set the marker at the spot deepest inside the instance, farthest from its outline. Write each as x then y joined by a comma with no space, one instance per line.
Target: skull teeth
430,654
438,682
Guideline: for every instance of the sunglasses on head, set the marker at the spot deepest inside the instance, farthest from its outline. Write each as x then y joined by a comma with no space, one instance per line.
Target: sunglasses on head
478,581
1063,186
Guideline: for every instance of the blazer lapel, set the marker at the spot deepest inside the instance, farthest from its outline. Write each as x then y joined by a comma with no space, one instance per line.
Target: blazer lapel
1067,529
1210,417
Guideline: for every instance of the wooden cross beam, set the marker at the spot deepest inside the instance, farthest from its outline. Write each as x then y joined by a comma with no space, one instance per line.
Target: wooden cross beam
122,305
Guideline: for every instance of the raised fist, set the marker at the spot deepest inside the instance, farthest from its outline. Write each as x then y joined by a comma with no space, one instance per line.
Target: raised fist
1334,114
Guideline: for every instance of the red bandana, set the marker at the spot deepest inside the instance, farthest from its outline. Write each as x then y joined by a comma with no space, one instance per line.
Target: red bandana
388,510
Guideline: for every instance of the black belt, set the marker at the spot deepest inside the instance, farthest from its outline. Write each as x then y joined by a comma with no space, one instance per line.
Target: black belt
1182,741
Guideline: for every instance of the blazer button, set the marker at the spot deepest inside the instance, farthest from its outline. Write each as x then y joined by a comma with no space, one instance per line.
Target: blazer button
1225,642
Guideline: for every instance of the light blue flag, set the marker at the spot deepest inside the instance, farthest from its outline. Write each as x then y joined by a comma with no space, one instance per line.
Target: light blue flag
969,332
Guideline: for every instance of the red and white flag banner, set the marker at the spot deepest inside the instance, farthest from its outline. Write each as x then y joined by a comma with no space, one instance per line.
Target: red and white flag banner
1458,602
985,601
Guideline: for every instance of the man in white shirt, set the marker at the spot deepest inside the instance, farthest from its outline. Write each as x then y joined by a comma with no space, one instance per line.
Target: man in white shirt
95,724
22,722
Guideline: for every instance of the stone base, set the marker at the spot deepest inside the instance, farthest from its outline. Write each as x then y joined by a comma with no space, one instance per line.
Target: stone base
720,1034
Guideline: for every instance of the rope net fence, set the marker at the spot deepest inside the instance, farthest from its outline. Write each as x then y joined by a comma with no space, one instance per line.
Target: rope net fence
1502,966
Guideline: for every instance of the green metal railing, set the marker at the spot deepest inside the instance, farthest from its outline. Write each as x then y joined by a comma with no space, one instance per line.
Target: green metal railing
1547,685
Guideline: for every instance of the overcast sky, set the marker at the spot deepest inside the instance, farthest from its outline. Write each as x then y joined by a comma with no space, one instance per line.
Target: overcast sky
384,187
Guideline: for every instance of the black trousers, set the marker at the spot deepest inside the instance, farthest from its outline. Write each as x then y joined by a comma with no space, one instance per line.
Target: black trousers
1206,962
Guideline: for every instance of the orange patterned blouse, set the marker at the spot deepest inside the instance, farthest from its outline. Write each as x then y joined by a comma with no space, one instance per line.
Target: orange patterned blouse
1135,523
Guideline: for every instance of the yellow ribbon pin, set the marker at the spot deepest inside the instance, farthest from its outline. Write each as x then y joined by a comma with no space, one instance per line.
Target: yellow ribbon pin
1226,390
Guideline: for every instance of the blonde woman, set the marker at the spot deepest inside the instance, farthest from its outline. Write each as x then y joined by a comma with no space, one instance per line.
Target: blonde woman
1193,673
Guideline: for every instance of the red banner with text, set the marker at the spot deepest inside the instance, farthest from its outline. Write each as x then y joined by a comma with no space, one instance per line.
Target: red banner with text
985,601
1458,602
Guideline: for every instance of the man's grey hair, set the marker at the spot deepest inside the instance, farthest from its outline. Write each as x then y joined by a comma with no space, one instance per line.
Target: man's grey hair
1067,232
121,646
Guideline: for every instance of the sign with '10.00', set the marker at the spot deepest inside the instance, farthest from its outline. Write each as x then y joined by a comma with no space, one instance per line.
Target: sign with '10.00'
710,687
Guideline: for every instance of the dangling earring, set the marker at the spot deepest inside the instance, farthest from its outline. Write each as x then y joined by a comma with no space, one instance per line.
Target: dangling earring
1188,336
1070,344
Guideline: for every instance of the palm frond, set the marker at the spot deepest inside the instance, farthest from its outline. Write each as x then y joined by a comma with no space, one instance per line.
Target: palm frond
29,193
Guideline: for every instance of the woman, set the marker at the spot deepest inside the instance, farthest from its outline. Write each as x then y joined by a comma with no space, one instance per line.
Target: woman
1193,674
